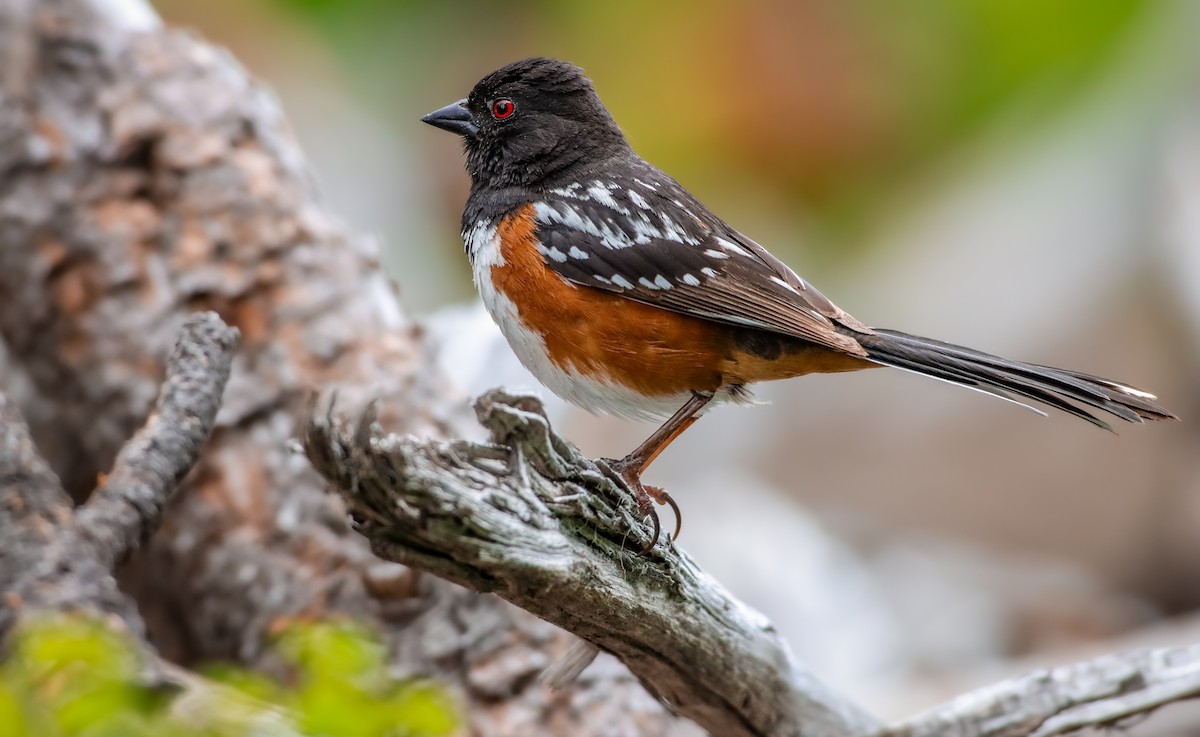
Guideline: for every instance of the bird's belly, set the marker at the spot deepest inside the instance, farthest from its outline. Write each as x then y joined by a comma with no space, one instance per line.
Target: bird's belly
562,355
595,349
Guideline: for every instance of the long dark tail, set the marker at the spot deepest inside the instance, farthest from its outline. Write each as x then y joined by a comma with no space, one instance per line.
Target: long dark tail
1001,377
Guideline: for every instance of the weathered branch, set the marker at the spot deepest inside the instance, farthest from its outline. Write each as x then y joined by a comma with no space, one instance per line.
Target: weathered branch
59,559
529,518
1094,693
532,520
128,507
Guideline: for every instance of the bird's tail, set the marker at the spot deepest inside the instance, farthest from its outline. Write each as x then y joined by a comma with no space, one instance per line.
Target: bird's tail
1070,391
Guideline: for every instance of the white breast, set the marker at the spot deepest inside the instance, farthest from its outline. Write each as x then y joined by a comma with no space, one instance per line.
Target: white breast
599,397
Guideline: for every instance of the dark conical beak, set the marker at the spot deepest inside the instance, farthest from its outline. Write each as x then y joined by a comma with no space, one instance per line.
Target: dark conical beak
455,118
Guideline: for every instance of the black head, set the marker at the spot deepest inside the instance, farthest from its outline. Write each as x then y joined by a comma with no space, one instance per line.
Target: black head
530,123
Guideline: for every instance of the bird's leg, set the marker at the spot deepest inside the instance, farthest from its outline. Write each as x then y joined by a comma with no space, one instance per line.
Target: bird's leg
630,467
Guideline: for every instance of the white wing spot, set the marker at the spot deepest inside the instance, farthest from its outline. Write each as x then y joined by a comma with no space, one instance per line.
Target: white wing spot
731,246
552,253
663,282
679,203
690,280
638,201
708,271
569,190
714,253
576,252
785,285
601,279
644,230
622,282
672,231
569,217
599,193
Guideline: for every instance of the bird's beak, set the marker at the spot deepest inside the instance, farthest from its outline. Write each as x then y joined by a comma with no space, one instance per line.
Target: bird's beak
455,118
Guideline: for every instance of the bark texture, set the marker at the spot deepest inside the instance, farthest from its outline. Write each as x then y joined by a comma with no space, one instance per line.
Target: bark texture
529,518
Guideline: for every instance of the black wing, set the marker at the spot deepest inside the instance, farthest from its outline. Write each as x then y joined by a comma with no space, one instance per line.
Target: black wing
646,238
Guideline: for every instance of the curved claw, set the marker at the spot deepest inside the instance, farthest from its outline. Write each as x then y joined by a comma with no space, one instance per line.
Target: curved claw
678,516
653,538
660,495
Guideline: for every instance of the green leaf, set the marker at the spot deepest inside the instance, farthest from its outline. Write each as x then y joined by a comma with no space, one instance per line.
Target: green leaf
74,677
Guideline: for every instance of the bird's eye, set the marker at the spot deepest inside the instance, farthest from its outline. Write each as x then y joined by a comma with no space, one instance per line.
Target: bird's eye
502,109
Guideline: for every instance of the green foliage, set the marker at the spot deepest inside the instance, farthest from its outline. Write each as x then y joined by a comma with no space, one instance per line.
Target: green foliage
73,676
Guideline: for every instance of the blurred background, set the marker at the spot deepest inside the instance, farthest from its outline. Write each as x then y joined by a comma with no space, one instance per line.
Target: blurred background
1020,176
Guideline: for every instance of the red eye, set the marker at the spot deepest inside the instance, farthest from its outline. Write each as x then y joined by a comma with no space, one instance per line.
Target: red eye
502,109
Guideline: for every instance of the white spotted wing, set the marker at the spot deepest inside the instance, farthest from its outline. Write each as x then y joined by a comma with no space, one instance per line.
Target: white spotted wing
646,238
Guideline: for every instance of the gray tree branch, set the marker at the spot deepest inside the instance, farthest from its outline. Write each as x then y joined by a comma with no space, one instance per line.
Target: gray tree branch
1094,693
57,558
527,517
128,507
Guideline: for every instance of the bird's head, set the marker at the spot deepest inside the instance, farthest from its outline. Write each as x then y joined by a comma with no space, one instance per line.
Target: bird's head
530,122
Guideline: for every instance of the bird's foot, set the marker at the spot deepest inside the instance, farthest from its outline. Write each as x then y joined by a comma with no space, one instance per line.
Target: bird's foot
644,495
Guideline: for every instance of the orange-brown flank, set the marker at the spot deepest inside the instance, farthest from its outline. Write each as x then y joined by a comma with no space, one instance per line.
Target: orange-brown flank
653,351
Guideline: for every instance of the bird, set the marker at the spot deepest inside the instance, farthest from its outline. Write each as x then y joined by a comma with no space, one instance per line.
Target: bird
623,294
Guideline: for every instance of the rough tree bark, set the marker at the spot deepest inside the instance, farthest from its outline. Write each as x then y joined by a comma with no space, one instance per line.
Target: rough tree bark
143,176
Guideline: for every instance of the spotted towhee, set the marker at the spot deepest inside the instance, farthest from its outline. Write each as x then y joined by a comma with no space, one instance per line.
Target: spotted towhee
624,294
